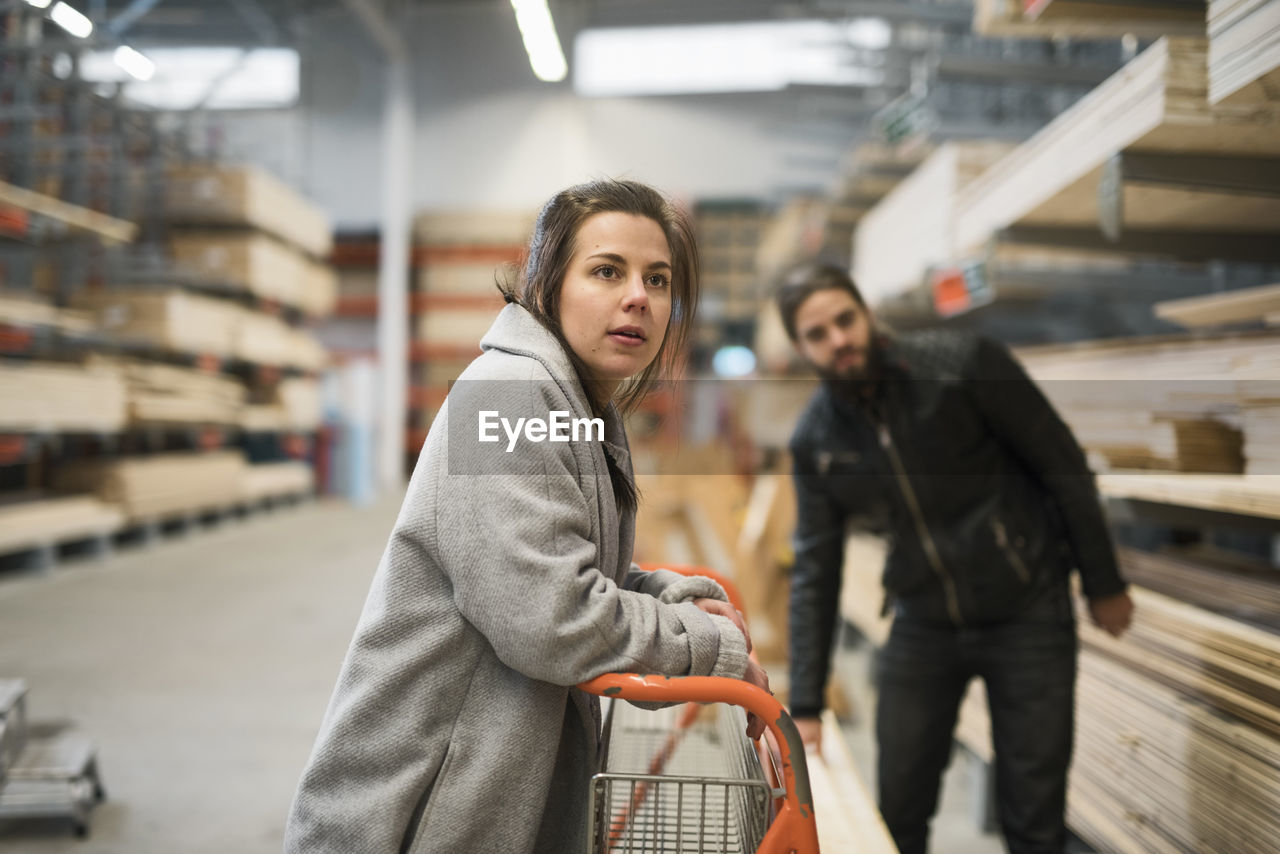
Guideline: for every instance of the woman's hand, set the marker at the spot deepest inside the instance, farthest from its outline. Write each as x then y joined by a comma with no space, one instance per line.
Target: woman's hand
724,609
756,676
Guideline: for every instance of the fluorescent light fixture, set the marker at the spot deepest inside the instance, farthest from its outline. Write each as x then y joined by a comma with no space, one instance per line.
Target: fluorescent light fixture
39,4
137,65
215,78
540,40
756,56
71,20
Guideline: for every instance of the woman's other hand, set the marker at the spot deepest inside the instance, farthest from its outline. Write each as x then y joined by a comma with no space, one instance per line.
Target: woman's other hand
724,609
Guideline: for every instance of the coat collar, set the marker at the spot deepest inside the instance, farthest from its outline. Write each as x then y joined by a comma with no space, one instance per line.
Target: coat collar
518,332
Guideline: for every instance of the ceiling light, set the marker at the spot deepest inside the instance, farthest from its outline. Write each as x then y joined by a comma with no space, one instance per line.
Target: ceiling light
39,4
71,20
137,65
540,40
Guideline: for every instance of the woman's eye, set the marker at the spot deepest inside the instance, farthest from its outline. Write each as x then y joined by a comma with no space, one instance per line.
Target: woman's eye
607,272
658,281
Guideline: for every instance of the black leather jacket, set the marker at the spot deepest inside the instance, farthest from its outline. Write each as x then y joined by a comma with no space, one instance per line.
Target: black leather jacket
958,459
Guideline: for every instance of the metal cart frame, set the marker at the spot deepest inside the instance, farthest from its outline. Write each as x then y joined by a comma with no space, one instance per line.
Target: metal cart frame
793,829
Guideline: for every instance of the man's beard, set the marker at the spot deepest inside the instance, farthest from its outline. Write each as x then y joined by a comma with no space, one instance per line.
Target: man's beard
866,372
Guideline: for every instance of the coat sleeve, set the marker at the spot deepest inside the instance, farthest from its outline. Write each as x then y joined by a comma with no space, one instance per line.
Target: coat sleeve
815,585
520,551
1026,423
671,586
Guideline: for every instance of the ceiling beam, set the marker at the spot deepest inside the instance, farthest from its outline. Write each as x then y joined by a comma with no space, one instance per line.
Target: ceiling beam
129,16
374,18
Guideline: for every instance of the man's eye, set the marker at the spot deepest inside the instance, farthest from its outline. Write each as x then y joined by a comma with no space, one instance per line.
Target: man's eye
814,336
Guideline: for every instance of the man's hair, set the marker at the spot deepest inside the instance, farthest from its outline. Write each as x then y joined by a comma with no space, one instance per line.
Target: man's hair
805,281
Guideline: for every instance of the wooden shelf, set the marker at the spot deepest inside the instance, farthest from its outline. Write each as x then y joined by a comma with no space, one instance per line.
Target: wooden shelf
1248,304
1247,495
1156,105
74,217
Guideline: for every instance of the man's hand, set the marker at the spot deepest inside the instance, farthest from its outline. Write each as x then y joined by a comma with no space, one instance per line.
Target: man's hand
810,733
1112,613
724,609
756,676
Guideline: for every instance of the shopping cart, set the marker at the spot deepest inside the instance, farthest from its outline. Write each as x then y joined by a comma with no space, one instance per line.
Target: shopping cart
687,779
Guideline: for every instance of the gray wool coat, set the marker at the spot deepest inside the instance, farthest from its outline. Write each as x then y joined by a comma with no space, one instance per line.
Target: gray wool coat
455,726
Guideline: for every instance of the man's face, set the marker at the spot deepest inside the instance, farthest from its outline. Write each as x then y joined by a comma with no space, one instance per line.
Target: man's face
833,334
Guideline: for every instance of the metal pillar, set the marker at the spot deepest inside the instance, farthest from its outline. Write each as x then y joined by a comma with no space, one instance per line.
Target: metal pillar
393,272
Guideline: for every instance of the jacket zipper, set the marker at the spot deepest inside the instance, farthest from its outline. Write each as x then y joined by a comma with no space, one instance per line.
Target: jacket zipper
922,530
1002,540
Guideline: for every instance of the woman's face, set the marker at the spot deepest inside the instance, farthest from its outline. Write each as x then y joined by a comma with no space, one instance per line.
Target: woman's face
616,298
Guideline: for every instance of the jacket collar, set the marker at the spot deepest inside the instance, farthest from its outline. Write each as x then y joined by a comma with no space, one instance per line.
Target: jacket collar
518,332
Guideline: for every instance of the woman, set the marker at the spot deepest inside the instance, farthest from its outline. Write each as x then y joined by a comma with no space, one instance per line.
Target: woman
455,726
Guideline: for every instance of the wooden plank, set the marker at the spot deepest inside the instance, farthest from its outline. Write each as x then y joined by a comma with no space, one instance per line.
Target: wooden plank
1156,103
1244,51
1247,304
848,819
911,229
1249,495
74,217
1005,18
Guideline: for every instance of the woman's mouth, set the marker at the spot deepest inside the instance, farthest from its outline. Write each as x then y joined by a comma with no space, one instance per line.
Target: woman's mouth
629,336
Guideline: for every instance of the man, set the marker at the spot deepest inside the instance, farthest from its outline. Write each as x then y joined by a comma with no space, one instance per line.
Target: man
940,441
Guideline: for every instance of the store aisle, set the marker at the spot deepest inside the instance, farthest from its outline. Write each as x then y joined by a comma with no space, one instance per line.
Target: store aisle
201,668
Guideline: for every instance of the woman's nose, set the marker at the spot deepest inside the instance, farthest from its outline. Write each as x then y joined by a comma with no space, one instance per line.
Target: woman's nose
636,295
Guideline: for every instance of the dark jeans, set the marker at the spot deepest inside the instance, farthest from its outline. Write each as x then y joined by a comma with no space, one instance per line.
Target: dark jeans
1029,667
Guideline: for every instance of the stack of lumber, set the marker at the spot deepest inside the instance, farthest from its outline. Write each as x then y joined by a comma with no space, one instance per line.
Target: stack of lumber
21,310
273,480
1177,731
53,397
243,196
1230,586
1088,20
728,241
295,405
266,340
164,394
911,229
169,320
473,228
763,559
1244,51
32,524
157,487
1173,403
1158,103
1192,702
257,264
243,228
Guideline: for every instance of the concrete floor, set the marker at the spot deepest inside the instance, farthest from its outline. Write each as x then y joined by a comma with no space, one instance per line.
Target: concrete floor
201,667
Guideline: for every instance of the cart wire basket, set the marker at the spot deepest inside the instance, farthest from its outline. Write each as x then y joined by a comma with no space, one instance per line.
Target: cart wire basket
685,779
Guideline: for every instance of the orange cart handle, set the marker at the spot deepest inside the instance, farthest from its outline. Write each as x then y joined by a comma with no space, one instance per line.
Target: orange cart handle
730,589
794,830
